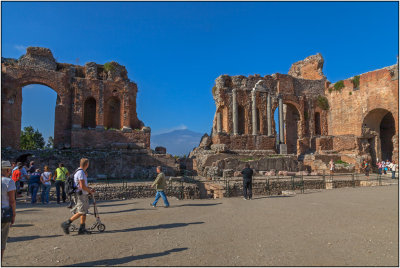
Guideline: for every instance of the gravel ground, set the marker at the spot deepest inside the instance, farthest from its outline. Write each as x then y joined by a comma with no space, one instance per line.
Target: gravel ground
340,227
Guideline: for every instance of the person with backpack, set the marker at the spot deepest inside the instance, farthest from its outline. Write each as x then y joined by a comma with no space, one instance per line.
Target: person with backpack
16,177
46,184
60,176
81,198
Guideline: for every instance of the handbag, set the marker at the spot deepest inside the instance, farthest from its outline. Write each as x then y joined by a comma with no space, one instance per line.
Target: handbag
6,214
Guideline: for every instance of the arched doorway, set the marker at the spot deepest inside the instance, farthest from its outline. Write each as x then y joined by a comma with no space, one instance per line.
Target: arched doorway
38,110
291,128
89,113
378,128
113,113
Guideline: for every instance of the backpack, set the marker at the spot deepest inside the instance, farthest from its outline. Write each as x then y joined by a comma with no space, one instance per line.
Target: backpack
70,186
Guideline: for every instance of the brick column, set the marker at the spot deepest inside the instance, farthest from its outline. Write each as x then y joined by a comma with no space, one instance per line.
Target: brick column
254,111
269,116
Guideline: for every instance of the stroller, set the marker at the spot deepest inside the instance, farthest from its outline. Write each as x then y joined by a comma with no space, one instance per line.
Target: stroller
97,224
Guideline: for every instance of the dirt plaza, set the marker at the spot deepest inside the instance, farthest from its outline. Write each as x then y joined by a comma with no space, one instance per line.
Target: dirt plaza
340,227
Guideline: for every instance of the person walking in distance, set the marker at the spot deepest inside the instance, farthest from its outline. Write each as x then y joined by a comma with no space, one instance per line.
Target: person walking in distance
8,203
331,167
60,176
16,177
81,199
366,168
34,185
247,173
160,184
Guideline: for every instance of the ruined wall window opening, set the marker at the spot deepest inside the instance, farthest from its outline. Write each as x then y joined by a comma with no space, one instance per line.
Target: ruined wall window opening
89,113
38,109
387,131
317,120
259,121
224,121
291,128
241,120
113,113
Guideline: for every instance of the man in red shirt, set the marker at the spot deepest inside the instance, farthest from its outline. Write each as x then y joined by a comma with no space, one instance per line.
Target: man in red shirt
16,176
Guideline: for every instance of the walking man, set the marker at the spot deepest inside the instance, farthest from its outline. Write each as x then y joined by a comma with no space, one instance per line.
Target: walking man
60,176
160,184
247,173
8,203
81,199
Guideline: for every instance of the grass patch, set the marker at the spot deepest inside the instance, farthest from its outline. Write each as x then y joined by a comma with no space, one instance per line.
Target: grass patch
322,102
338,85
342,163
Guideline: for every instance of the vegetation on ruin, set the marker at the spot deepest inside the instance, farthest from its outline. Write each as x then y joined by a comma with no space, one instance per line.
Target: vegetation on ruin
338,85
356,81
247,159
109,66
350,93
305,114
31,139
322,103
214,88
342,162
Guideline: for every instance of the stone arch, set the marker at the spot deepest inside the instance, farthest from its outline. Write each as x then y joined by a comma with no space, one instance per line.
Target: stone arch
89,113
379,128
113,113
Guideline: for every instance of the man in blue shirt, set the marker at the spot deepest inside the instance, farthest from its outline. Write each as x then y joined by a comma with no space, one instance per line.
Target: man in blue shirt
34,185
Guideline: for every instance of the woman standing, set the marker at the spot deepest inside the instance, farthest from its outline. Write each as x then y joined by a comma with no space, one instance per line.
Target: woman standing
379,164
46,184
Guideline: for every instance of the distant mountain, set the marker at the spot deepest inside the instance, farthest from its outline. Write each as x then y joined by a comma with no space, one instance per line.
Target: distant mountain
178,142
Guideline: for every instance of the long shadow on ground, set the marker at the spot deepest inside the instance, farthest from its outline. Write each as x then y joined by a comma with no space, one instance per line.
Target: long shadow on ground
122,211
100,204
28,238
119,261
273,196
154,227
196,205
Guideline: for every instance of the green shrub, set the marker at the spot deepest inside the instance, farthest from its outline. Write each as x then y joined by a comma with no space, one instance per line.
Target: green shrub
350,93
322,102
339,85
109,66
356,81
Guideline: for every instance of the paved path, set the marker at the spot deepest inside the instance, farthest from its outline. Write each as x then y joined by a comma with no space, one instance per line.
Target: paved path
340,227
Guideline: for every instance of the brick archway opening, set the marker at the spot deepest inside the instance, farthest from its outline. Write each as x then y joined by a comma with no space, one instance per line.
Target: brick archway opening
113,113
291,128
241,120
89,113
38,109
379,128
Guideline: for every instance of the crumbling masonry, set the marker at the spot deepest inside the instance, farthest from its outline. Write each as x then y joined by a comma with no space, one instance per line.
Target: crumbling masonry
96,104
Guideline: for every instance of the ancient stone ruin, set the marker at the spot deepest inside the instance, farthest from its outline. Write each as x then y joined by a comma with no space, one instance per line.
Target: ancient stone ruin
96,104
350,121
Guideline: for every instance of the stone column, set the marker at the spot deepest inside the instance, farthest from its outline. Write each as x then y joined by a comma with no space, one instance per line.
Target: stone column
254,111
280,103
219,128
284,121
269,117
234,112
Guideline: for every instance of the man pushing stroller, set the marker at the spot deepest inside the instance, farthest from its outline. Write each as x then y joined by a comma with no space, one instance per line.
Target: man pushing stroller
81,199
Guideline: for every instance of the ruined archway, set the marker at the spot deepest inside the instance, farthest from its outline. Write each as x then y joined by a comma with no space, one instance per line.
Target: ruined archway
292,120
89,113
113,113
38,105
378,128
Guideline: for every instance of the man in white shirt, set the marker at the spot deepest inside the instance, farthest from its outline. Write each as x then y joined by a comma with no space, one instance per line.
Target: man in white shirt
81,199
8,202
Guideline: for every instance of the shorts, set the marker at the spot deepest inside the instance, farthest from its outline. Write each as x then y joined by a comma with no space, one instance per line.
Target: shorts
82,204
5,227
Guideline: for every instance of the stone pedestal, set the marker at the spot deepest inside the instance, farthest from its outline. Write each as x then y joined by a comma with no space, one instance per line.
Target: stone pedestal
282,148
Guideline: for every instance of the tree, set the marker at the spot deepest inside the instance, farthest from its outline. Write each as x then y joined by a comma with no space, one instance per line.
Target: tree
31,139
50,143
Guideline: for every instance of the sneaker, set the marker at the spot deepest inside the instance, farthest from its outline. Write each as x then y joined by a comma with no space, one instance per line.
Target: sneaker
151,204
65,226
70,206
84,231
244,198
166,206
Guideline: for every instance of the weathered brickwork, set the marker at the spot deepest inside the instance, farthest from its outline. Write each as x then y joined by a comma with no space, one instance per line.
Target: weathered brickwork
89,98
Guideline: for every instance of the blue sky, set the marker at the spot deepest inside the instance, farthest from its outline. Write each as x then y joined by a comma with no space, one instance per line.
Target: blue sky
175,50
